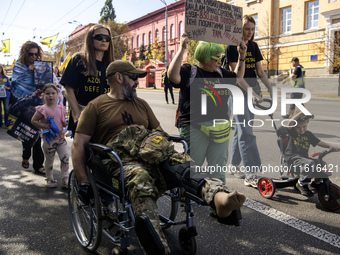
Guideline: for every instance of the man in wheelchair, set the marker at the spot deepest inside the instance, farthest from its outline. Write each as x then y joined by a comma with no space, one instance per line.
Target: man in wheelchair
118,119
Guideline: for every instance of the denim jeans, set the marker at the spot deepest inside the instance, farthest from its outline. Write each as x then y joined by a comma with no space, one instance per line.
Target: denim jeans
5,102
244,145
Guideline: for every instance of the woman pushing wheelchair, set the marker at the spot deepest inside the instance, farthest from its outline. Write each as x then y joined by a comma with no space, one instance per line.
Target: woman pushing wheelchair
121,112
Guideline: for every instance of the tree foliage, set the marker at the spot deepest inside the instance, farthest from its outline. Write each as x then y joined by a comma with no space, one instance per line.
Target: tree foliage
191,51
107,13
155,51
142,52
119,37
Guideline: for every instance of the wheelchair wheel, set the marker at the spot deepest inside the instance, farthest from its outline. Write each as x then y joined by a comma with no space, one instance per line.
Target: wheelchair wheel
187,242
266,187
85,219
168,206
332,201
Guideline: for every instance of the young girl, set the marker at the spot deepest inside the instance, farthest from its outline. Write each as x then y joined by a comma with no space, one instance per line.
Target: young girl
58,144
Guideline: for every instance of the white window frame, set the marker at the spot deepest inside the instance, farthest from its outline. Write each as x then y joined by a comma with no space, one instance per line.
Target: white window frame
312,11
256,18
286,20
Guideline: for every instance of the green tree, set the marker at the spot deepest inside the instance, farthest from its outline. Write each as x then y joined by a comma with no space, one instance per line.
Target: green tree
142,52
191,51
156,51
119,34
107,13
134,57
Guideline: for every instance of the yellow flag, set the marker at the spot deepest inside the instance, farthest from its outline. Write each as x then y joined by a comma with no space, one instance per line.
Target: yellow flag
124,57
5,46
49,41
63,53
65,63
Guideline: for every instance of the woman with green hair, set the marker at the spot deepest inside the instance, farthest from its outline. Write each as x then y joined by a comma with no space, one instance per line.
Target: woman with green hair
193,125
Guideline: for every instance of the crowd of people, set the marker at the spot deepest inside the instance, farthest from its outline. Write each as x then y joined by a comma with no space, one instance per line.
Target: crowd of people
113,92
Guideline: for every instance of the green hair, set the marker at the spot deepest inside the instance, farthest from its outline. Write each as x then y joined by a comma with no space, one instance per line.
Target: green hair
205,50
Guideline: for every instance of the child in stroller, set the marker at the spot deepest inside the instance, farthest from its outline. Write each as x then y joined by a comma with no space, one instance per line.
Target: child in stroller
296,152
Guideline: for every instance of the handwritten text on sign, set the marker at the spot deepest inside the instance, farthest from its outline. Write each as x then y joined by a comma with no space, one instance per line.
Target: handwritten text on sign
213,21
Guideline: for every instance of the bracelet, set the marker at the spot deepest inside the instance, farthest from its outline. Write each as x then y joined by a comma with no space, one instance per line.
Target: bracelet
242,59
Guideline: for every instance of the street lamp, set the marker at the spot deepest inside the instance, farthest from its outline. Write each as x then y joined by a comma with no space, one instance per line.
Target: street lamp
166,34
75,22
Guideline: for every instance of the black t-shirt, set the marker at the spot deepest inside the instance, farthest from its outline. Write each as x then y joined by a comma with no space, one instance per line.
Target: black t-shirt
297,71
86,88
299,144
253,55
186,101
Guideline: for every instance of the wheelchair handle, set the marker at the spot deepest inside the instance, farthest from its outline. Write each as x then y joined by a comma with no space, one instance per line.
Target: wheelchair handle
263,107
321,154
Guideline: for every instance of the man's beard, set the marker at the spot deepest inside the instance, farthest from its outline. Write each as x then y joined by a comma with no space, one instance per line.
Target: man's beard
129,92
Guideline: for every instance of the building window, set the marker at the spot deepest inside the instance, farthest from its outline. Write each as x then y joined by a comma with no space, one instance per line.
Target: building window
255,17
286,20
157,35
133,42
172,31
312,14
150,37
137,41
172,54
144,39
181,29
164,34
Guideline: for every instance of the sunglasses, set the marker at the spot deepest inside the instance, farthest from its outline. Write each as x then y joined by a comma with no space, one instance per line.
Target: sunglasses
33,54
133,77
217,58
101,37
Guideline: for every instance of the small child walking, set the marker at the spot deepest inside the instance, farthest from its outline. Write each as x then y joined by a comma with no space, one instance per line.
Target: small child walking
49,117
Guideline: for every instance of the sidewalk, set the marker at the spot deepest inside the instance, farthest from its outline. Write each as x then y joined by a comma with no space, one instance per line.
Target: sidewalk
319,86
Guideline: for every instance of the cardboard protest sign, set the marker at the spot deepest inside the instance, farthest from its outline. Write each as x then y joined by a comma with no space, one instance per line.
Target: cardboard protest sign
213,21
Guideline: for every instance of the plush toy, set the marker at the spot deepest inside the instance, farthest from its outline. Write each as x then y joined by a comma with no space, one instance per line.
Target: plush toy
51,132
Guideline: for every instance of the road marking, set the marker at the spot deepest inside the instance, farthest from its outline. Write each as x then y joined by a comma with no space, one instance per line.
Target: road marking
301,225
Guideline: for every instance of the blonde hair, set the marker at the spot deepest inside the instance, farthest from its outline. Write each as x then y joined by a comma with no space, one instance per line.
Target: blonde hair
246,19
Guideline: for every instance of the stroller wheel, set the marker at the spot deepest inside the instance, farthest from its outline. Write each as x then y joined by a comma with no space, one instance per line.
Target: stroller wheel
266,187
330,201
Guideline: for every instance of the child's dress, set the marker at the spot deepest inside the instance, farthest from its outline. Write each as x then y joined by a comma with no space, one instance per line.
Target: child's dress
58,144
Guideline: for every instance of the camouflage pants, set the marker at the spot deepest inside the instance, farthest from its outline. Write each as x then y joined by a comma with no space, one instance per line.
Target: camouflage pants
145,185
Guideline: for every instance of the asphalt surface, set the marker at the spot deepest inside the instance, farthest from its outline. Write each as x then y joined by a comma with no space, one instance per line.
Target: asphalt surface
34,219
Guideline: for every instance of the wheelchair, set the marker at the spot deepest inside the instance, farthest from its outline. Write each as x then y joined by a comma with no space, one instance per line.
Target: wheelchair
90,220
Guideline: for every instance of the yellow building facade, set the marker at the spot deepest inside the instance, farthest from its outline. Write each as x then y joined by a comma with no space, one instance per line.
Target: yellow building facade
295,28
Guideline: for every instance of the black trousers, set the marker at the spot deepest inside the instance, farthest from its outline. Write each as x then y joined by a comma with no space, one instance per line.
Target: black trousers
38,154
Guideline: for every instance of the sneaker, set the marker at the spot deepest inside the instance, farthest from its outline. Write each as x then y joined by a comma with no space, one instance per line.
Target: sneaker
111,211
51,183
237,173
304,190
252,181
64,182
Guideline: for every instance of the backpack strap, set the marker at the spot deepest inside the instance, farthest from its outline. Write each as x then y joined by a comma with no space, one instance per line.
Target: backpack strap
193,72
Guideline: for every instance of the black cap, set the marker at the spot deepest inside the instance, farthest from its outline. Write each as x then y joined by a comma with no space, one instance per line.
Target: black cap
294,59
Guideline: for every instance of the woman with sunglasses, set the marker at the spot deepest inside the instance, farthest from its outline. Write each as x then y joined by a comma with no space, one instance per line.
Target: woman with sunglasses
208,55
84,78
22,86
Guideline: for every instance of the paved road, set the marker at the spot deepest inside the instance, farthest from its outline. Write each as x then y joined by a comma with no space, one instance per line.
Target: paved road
35,219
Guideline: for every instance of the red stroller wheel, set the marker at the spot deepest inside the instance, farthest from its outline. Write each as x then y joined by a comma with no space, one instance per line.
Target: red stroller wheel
266,187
